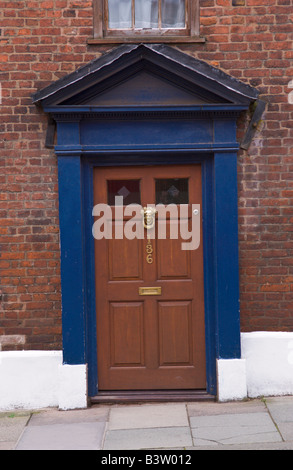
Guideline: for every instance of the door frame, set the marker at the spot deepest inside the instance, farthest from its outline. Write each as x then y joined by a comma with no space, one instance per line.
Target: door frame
216,177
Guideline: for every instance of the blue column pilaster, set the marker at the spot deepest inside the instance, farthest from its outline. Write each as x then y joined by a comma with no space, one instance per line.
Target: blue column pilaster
226,265
73,276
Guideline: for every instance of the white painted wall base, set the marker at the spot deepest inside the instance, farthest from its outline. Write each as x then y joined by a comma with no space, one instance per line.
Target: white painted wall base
269,363
28,379
38,379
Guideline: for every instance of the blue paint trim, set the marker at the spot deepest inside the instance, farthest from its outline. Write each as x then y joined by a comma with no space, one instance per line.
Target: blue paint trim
144,158
149,133
90,292
185,135
225,131
63,151
209,278
102,109
68,134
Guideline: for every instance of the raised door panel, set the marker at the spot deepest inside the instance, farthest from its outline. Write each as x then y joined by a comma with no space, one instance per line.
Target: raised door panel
127,334
175,333
125,259
173,263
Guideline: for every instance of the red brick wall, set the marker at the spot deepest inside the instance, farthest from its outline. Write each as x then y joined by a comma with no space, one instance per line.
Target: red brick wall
41,41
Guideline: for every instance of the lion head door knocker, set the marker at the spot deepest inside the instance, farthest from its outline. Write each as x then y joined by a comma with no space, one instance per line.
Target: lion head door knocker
149,216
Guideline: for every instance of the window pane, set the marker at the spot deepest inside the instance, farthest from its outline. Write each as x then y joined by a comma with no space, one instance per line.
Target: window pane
172,191
120,16
173,13
128,189
146,14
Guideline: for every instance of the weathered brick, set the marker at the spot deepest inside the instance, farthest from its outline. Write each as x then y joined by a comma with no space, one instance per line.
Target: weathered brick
42,41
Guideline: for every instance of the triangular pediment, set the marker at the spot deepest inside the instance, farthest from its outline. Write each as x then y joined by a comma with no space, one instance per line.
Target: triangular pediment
146,76
143,89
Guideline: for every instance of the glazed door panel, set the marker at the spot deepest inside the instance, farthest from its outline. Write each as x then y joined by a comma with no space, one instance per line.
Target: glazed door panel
154,341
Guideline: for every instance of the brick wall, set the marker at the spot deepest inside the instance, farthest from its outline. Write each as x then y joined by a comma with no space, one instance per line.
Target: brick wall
41,41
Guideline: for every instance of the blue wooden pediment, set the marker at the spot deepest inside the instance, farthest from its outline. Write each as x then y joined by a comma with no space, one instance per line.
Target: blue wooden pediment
146,76
143,88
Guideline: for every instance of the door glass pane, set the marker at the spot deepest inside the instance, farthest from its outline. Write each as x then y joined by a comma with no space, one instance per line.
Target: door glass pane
173,13
120,16
172,191
146,14
128,189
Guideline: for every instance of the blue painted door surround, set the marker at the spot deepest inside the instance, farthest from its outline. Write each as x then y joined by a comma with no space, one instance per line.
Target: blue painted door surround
220,239
91,132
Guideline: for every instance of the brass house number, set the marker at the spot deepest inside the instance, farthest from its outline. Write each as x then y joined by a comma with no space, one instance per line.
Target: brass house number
149,251
149,214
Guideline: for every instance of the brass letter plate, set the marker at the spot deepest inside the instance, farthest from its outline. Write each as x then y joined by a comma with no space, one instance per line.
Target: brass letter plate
150,290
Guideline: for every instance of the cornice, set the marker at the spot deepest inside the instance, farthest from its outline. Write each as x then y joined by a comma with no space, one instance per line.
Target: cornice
63,116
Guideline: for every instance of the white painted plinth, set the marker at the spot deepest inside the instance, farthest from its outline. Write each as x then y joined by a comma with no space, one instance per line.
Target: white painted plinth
231,377
72,387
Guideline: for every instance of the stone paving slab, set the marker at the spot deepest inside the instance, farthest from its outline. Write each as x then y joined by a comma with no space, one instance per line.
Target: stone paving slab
215,408
11,427
286,431
149,438
281,411
55,416
238,428
247,446
242,419
234,435
74,436
148,416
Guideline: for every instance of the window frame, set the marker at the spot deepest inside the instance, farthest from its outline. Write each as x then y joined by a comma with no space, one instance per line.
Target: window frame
101,34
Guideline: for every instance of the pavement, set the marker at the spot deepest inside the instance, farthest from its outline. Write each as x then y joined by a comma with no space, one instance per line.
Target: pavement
258,424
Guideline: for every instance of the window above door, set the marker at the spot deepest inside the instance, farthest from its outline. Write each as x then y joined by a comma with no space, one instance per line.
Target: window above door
118,21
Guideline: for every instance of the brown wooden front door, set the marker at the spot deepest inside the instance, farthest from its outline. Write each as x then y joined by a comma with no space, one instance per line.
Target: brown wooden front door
154,341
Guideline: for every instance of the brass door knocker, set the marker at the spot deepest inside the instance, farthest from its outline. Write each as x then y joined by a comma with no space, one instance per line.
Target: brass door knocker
149,217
